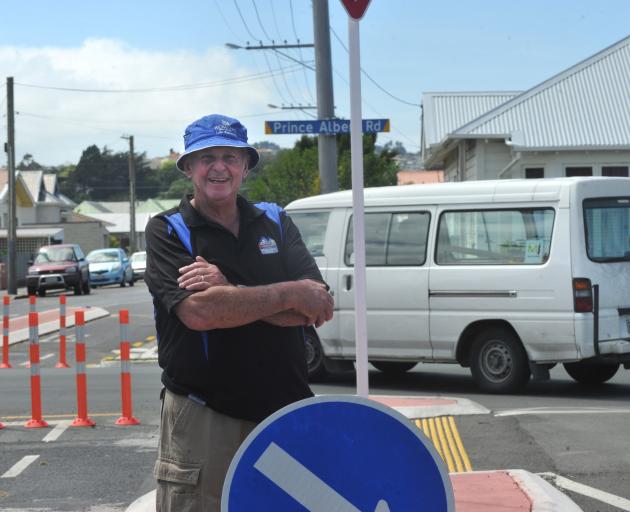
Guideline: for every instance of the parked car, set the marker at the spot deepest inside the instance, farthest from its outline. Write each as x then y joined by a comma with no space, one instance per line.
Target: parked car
138,264
58,267
109,266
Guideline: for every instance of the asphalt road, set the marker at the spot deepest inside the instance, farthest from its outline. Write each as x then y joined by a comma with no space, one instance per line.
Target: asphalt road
554,427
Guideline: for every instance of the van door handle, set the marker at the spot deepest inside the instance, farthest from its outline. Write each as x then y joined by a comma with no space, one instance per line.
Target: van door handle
348,283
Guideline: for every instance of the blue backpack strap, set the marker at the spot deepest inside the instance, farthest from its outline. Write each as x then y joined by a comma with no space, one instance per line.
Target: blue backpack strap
176,222
273,211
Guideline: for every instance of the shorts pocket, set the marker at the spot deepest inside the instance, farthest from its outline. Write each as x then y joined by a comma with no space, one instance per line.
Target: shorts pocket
169,470
177,489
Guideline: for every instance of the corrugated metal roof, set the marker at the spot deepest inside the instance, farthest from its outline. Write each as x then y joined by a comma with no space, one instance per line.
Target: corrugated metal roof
585,107
445,112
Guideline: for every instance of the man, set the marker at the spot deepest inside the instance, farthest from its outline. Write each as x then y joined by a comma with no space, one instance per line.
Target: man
233,285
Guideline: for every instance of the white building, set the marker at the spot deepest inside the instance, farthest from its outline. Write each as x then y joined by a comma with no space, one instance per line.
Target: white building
577,123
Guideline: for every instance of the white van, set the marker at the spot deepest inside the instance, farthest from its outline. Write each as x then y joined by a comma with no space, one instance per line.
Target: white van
507,277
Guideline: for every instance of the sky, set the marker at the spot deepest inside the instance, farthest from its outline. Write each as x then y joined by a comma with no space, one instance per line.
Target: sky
149,68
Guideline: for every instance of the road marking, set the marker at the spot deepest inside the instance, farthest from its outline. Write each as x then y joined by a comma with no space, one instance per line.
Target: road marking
59,429
302,485
560,410
20,466
53,416
47,356
445,437
586,490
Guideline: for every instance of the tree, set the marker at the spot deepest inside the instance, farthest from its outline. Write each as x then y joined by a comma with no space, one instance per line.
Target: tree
294,172
291,174
29,164
172,182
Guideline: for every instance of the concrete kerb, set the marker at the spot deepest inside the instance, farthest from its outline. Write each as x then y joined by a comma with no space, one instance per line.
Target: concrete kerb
545,497
91,313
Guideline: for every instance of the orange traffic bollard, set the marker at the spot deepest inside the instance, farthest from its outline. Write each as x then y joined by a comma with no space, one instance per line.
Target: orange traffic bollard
125,374
36,420
32,303
82,419
61,363
6,300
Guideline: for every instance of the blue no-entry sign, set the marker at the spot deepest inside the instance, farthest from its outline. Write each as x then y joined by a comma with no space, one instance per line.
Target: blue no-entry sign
323,126
337,454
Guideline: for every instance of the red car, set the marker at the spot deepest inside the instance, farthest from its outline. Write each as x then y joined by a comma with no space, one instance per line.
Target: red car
59,267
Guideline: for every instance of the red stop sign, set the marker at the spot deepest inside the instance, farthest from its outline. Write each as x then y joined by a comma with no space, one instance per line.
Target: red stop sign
356,8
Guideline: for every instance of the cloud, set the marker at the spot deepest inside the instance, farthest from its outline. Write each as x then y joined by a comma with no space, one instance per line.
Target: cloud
56,126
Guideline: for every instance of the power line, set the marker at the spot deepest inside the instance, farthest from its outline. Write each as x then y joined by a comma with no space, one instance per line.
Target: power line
227,81
260,21
245,23
218,6
371,79
308,87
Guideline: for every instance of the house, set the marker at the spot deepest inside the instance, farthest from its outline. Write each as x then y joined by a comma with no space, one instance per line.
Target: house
576,123
43,216
115,214
410,177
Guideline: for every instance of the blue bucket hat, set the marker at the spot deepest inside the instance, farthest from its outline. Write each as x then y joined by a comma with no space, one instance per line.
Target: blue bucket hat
216,130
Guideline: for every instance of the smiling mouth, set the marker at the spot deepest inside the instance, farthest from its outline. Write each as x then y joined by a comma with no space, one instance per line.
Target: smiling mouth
218,180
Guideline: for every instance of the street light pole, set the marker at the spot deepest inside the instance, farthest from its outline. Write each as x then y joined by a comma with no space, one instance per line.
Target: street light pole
12,221
132,196
327,144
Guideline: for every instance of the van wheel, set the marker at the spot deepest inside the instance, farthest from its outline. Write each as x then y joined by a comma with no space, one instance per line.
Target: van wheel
591,372
314,355
393,367
499,363
86,287
41,292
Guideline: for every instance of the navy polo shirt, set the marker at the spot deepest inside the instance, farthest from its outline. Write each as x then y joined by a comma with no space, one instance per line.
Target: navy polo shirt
250,371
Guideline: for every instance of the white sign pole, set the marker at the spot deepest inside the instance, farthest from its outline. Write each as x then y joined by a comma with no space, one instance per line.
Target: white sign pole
358,217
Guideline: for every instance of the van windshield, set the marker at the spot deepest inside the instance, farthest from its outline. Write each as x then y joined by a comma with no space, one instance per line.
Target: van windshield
312,226
607,229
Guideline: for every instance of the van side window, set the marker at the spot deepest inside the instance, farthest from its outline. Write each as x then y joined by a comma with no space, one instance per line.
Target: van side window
392,239
312,227
495,237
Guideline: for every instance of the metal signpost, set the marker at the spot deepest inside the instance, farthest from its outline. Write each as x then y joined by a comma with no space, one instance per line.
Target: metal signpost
337,453
356,9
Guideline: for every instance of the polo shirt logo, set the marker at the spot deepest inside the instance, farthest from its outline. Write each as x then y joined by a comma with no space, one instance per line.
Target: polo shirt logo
267,245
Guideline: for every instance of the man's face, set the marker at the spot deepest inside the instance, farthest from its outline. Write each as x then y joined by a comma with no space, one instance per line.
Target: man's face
217,173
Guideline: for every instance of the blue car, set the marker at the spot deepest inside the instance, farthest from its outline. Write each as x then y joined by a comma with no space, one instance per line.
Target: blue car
110,266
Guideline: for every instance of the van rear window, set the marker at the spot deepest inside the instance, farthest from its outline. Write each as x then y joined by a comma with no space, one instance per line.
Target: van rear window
607,225
519,236
312,226
392,239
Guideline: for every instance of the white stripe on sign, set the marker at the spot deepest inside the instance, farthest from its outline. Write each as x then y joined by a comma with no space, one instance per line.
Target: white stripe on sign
302,485
585,490
59,429
20,466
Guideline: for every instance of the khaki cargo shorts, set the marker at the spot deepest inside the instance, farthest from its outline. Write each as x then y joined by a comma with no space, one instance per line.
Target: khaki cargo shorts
196,447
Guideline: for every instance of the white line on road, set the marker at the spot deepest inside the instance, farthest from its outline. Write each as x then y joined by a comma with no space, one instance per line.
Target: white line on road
545,410
585,490
302,485
20,466
47,356
59,429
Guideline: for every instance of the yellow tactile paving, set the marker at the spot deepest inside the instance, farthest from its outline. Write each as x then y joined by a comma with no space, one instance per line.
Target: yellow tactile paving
445,437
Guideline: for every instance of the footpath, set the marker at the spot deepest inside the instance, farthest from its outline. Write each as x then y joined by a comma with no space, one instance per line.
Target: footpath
506,490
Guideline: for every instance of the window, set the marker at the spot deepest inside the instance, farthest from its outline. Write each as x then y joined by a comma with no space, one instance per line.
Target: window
578,171
312,226
607,224
615,170
534,173
392,239
495,237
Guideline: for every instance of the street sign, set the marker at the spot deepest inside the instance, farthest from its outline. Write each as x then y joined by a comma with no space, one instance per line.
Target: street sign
337,454
356,8
325,126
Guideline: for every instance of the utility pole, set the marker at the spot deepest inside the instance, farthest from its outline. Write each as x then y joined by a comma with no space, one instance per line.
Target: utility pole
327,144
11,228
132,196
